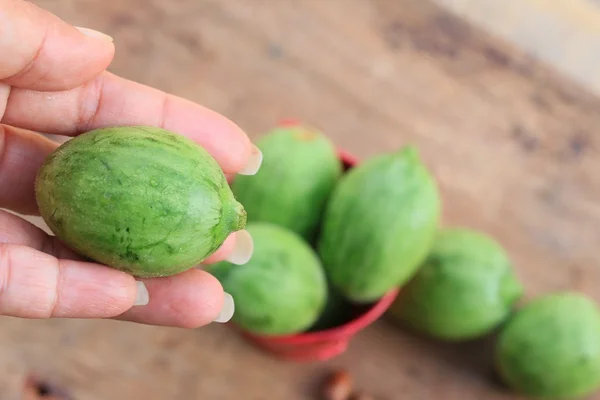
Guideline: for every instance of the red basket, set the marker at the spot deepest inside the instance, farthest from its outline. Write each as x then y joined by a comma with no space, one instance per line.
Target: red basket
322,345
329,343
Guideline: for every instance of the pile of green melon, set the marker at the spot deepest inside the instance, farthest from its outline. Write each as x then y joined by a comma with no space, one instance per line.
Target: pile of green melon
320,249
326,240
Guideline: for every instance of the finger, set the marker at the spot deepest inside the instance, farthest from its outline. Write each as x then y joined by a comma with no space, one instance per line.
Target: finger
237,249
21,155
34,284
15,230
191,299
41,52
188,300
109,100
223,252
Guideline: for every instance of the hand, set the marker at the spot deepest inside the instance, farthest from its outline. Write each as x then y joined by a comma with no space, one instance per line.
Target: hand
53,80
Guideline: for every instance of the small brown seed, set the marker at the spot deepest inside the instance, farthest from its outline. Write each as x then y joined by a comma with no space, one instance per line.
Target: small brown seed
338,386
36,389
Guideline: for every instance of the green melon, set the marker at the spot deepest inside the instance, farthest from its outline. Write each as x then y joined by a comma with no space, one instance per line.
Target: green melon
465,288
299,170
551,347
139,199
379,224
282,289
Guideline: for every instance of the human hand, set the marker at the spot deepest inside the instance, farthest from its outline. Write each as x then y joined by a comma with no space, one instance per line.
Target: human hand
53,80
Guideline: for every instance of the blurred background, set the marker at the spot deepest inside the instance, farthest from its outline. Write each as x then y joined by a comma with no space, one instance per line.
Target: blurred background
500,97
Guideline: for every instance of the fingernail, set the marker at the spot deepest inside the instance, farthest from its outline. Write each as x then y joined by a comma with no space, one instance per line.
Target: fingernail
254,162
142,297
227,310
243,248
93,33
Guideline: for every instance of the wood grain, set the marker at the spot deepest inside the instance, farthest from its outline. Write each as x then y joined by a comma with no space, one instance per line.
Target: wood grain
513,145
565,34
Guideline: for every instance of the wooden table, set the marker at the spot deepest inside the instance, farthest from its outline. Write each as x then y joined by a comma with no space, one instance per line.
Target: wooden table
514,146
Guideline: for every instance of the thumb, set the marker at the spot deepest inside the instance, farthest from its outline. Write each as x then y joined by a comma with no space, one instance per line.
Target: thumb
41,52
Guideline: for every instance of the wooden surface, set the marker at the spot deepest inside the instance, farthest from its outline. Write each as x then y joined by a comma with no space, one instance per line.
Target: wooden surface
514,146
565,34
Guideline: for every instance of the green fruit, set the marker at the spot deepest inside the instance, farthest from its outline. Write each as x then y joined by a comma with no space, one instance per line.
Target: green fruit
282,289
299,170
139,199
379,224
465,288
551,347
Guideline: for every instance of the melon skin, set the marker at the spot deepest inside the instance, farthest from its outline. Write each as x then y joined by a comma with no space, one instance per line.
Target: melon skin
465,288
299,170
550,348
379,224
139,199
282,290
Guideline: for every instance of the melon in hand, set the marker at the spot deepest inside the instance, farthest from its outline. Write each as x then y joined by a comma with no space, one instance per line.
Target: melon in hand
139,199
